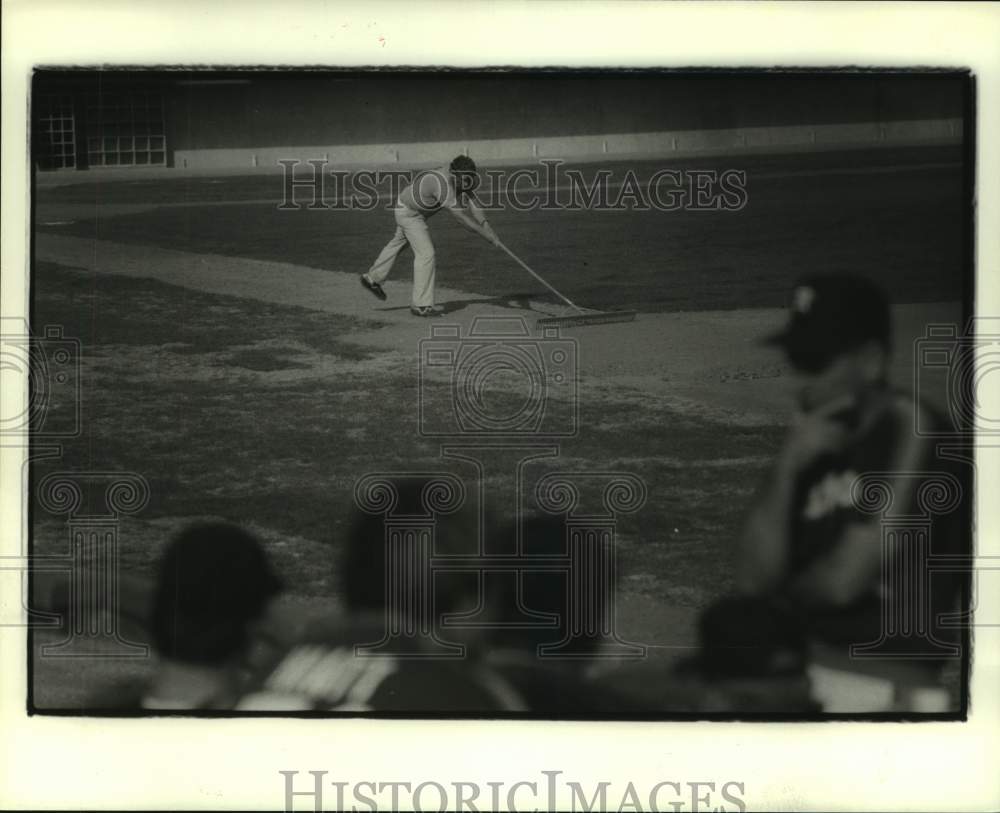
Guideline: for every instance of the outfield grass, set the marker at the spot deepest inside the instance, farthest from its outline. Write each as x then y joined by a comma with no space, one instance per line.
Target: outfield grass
813,213
267,415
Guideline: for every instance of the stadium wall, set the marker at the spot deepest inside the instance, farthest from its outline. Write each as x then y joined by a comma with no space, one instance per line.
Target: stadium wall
509,119
246,121
609,146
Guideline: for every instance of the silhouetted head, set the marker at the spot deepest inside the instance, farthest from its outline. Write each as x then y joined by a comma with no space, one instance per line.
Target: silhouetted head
837,338
214,581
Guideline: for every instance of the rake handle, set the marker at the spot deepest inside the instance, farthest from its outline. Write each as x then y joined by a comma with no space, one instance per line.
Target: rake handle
527,268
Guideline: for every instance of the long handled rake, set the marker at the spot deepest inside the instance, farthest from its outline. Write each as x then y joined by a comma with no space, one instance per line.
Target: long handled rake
581,317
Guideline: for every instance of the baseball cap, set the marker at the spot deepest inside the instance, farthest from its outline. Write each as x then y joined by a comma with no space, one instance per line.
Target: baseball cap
832,314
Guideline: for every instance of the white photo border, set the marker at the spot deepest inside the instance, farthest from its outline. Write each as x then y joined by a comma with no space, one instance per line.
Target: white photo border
151,763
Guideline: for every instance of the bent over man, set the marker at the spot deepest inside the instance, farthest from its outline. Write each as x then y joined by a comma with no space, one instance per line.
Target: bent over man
448,188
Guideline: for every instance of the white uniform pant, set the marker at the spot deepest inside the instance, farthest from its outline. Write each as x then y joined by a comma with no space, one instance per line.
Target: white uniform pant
411,227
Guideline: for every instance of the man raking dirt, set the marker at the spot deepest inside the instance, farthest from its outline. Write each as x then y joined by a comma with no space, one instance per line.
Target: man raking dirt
448,188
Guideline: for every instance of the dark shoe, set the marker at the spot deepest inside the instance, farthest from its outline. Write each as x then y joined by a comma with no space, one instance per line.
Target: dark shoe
424,311
374,287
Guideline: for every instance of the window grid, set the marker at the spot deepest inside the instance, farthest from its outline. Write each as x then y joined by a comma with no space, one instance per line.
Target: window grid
126,129
57,132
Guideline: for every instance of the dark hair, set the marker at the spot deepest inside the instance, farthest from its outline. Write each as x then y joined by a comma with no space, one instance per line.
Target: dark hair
214,579
464,170
462,163
363,567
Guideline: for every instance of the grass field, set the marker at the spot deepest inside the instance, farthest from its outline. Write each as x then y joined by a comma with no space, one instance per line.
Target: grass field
896,215
264,403
229,408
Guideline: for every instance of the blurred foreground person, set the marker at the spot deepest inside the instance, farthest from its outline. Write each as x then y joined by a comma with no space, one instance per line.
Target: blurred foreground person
385,652
210,611
810,555
393,649
556,666
214,586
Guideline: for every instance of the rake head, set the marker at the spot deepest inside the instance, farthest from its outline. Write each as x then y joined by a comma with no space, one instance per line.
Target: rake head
595,318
